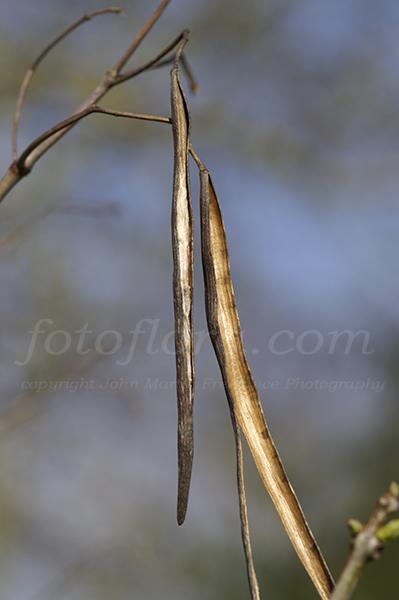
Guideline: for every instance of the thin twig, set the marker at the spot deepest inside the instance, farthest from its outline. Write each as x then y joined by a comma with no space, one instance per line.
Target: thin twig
151,64
197,158
32,68
194,85
245,532
140,37
367,544
66,123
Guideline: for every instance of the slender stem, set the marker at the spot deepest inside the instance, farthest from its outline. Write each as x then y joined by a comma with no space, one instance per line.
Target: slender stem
153,63
140,37
66,123
131,115
197,158
32,68
194,85
245,533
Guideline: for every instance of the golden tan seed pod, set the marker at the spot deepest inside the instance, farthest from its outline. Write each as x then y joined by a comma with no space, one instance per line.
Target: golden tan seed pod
225,332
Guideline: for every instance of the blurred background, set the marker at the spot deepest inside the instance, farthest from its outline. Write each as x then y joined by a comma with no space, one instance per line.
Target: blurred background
298,120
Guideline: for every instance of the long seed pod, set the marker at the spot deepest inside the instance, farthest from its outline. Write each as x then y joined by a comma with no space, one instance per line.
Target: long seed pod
182,244
225,332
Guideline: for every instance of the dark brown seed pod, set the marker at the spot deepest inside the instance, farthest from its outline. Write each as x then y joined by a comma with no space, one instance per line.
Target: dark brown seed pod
225,332
182,244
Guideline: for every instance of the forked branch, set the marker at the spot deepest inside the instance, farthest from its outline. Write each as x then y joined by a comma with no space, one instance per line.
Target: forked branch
140,37
33,67
111,78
